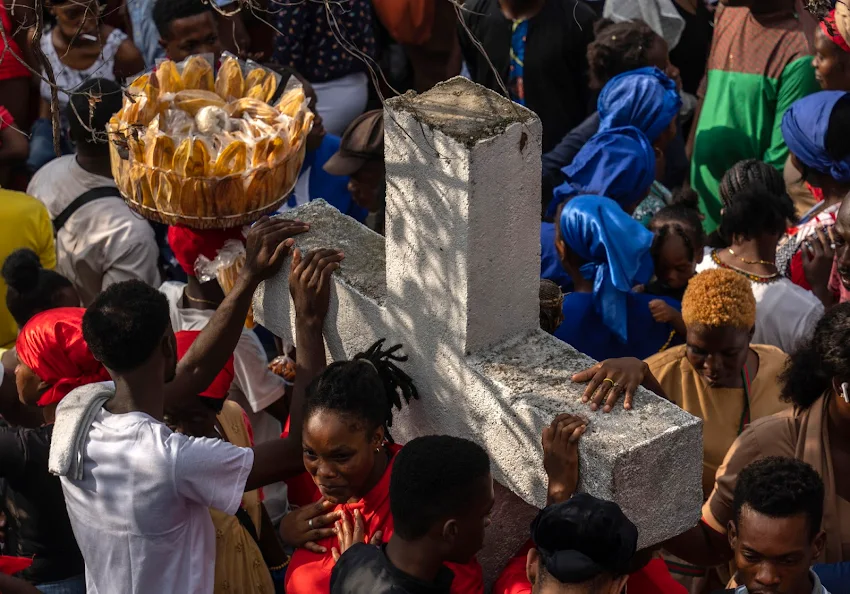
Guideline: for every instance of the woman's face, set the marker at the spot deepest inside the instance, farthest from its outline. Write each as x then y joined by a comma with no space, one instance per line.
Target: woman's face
674,268
339,453
30,387
718,354
830,64
76,18
658,55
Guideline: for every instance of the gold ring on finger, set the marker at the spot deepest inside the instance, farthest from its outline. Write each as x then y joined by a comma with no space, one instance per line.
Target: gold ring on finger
608,379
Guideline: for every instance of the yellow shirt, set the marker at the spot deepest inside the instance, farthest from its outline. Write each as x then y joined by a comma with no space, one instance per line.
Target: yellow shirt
24,223
719,408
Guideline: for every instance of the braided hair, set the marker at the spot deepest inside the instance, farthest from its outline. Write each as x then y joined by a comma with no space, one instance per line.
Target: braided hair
368,387
681,218
617,48
746,173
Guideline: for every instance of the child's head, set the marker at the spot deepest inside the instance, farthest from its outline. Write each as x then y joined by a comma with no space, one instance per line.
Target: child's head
551,300
679,240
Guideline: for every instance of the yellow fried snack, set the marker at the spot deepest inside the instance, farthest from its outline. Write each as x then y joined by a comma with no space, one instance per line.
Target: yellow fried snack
198,74
168,77
191,158
193,100
269,87
253,107
278,151
230,84
260,152
255,92
291,102
256,77
160,153
140,83
232,159
137,149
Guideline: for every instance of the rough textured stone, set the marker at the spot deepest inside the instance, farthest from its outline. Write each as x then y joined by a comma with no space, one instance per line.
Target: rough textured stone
462,265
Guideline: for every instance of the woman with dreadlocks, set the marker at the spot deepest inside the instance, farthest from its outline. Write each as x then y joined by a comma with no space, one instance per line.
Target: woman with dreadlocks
349,453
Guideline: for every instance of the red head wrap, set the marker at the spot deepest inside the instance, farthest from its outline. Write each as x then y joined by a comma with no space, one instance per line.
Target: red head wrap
830,28
187,244
52,345
221,384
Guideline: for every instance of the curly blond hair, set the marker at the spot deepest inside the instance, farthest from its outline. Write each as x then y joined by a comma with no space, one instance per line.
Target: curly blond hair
719,297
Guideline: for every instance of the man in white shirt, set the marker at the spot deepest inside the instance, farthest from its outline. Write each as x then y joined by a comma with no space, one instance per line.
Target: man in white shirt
255,388
101,241
140,512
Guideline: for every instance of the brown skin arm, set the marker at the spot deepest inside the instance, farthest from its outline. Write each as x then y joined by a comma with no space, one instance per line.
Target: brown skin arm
13,145
268,244
13,585
279,409
273,552
701,546
128,60
13,410
309,283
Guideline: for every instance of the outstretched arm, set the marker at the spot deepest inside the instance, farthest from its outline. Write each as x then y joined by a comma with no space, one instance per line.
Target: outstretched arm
309,283
268,245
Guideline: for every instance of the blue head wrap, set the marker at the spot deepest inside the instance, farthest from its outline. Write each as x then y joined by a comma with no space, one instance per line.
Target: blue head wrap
804,127
645,98
618,163
599,231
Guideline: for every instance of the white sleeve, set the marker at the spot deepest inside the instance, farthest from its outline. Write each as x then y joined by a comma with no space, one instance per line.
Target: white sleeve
211,471
253,378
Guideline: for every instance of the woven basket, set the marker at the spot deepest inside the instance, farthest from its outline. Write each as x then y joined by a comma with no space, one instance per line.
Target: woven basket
203,202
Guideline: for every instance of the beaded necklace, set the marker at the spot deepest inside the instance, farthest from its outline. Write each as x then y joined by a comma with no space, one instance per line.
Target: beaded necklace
756,278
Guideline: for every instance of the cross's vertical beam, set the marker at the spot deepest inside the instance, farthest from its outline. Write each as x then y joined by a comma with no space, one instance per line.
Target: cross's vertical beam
463,212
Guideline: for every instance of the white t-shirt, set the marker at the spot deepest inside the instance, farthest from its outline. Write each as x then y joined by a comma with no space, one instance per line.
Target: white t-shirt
141,513
254,387
786,313
104,242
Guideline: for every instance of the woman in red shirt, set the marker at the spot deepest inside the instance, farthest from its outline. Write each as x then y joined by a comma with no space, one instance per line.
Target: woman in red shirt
349,454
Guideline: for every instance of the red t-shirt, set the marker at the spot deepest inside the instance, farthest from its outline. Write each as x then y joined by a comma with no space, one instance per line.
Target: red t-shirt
654,578
10,66
310,573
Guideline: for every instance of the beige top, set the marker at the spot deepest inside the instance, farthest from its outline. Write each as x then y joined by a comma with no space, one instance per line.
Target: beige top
239,564
795,434
721,409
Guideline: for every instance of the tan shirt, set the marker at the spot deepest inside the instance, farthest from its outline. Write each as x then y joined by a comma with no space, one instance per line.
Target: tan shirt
803,435
720,409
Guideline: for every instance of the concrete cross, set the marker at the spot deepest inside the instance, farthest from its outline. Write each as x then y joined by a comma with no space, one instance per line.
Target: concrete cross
456,281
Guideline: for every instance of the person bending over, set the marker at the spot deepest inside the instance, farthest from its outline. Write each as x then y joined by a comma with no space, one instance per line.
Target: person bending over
441,495
776,531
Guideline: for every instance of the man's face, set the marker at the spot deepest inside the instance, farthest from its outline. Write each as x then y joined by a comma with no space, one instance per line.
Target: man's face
470,528
773,555
196,34
365,185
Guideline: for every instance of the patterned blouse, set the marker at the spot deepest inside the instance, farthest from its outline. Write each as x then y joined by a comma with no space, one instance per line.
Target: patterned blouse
313,37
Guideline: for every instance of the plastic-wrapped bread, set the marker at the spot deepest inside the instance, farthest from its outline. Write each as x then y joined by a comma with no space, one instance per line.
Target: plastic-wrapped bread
193,100
230,84
168,78
198,74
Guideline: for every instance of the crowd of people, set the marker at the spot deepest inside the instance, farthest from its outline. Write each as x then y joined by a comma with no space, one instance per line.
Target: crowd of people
694,240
